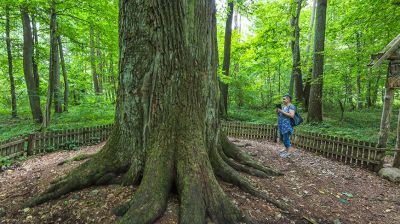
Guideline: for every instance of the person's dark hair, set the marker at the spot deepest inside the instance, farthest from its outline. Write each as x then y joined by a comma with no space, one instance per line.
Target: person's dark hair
288,96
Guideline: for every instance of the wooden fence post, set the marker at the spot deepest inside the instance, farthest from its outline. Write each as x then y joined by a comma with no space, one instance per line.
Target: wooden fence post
31,140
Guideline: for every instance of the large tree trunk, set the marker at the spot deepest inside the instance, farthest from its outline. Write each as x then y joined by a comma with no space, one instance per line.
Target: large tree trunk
93,62
65,75
10,65
295,44
167,128
54,69
33,92
227,59
315,101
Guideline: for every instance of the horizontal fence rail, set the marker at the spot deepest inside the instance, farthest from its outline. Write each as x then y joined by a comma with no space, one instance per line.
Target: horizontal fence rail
41,142
250,131
348,151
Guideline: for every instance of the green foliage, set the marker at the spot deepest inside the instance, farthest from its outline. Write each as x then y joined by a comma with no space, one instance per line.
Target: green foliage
84,115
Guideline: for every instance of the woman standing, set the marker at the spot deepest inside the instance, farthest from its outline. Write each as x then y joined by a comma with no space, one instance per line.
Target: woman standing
285,126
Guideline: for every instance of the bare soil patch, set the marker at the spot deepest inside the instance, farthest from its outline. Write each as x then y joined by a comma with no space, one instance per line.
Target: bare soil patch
315,189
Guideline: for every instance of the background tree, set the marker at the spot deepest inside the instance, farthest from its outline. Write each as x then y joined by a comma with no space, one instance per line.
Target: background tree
10,64
315,101
227,57
295,45
33,91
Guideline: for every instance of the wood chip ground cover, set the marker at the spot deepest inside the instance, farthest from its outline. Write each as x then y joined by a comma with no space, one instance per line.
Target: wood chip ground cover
315,189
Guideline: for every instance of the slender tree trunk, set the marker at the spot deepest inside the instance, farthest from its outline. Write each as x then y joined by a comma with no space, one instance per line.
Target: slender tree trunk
93,62
65,75
99,56
359,54
35,57
227,58
376,88
167,132
315,102
295,44
53,67
33,92
10,65
369,89
308,68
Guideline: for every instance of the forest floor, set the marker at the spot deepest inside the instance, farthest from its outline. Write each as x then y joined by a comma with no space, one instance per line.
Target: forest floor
317,190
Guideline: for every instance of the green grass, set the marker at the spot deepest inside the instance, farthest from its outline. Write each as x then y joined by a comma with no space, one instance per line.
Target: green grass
362,125
84,115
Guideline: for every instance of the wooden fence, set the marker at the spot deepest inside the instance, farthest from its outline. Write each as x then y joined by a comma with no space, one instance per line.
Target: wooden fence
250,131
348,151
41,142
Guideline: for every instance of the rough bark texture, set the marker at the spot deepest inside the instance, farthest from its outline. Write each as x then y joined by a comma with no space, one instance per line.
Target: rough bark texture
33,92
167,133
315,101
227,59
10,65
64,72
295,44
93,62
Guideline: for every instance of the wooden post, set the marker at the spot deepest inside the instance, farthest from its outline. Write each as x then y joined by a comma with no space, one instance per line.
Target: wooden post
385,124
31,140
396,162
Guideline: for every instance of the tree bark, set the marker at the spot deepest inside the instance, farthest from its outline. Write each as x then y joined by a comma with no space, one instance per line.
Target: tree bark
93,62
227,59
315,102
10,65
167,129
33,92
295,45
53,67
35,57
64,72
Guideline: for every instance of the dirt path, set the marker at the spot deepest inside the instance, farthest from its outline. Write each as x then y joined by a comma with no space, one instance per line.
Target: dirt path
314,188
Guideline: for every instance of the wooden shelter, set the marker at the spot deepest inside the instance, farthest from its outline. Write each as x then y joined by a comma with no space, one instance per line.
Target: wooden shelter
391,53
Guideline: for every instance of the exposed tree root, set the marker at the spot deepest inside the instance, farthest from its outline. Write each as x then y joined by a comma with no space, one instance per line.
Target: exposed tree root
101,169
79,157
150,200
228,174
243,168
239,156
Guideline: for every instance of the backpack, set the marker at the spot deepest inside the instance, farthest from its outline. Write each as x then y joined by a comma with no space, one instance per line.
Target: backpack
296,120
